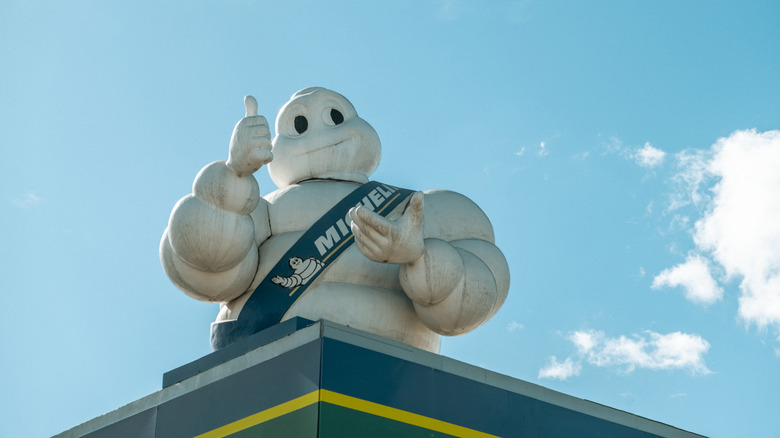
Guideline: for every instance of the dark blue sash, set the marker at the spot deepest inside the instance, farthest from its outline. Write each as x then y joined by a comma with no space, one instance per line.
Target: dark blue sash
314,251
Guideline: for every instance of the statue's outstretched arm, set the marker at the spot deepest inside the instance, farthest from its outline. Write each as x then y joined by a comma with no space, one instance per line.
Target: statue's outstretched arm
456,277
456,286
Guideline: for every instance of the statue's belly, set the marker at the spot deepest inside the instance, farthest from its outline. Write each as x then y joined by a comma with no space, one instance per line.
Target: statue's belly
356,292
352,290
384,312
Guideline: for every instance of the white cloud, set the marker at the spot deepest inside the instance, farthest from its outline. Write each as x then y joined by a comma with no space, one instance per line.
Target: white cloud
581,156
560,370
739,228
585,341
451,10
514,326
653,351
694,276
29,199
742,227
648,156
543,149
614,145
520,152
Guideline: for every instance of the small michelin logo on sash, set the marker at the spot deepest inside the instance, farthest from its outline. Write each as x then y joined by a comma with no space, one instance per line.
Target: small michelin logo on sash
303,271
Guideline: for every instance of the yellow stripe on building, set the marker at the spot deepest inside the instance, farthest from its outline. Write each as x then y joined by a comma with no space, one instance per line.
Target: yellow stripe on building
400,415
262,417
348,402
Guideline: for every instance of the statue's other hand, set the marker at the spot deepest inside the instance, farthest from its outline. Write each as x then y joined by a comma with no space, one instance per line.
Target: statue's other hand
390,241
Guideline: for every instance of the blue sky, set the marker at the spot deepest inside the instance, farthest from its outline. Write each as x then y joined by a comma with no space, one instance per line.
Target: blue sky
626,153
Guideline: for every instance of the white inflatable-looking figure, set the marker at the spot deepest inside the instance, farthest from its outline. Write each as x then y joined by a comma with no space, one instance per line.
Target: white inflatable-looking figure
429,268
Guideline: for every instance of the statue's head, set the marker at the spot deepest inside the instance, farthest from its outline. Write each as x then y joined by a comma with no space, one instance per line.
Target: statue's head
319,135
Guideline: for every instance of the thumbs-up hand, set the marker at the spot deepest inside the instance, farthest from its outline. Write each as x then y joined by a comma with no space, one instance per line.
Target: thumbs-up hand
250,145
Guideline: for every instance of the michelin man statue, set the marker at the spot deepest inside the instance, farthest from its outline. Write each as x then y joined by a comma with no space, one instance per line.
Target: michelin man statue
329,243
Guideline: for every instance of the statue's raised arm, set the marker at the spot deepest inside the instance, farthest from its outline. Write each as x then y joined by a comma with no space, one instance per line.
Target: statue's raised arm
209,249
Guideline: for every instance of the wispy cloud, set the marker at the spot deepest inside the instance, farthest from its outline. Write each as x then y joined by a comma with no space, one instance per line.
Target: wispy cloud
739,228
690,178
695,277
514,326
29,199
582,156
646,156
649,350
516,12
613,145
450,10
543,149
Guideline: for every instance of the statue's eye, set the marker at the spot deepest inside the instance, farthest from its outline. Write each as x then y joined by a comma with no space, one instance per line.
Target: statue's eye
301,124
336,116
